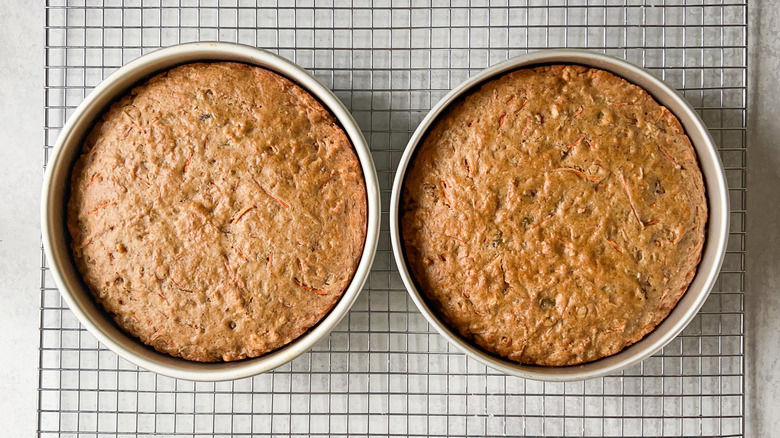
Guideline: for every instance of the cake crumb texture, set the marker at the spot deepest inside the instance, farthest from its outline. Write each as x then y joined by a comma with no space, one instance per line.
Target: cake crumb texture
217,212
555,215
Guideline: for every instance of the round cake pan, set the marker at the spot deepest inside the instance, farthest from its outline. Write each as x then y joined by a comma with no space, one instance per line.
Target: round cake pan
716,234
56,188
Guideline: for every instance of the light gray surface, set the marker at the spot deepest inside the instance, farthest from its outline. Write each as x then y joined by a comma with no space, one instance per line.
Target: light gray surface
21,138
763,260
21,79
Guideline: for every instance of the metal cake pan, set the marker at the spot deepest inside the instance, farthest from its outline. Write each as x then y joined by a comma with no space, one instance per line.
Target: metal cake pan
56,188
716,233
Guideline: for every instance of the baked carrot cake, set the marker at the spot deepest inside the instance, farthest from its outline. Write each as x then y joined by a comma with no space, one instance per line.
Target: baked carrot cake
555,215
217,211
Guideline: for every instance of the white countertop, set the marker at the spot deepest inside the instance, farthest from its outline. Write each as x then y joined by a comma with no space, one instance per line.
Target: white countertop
21,139
763,238
21,149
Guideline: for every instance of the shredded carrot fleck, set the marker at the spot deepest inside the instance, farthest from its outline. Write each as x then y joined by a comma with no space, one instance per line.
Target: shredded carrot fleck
546,218
577,114
101,206
92,180
630,199
527,125
501,121
577,172
332,172
461,241
468,166
241,213
134,123
250,113
155,334
279,201
576,142
309,288
652,222
229,268
160,294
525,104
179,286
669,157
146,181
84,245
447,200
615,245
232,273
241,254
189,160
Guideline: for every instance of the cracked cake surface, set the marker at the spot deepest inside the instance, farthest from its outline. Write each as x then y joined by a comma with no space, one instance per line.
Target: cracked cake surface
217,212
554,215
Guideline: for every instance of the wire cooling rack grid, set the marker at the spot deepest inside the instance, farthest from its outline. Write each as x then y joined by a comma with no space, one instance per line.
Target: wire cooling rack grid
384,370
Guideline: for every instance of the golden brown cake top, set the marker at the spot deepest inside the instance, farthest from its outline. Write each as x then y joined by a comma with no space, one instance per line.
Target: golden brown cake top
217,212
554,215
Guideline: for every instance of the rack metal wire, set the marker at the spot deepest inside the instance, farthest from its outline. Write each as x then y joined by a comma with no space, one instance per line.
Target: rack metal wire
384,371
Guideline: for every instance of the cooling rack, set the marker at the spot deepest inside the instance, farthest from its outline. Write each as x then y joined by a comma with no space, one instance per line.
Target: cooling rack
384,371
